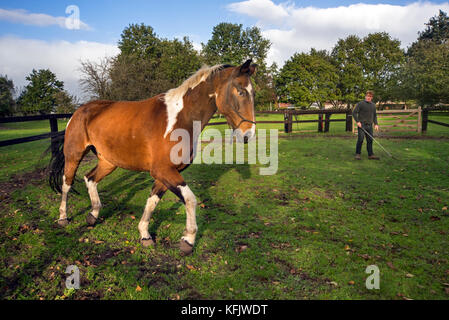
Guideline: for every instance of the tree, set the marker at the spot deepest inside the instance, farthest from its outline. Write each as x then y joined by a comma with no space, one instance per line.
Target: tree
231,44
95,80
6,96
306,79
383,58
348,56
437,29
139,41
65,102
39,94
426,73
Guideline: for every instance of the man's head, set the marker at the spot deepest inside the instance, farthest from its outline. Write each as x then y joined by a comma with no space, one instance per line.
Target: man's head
369,96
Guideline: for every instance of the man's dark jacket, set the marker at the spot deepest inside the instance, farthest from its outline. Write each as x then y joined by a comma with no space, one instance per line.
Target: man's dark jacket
365,112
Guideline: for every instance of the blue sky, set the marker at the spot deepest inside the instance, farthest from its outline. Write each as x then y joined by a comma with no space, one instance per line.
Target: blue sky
28,40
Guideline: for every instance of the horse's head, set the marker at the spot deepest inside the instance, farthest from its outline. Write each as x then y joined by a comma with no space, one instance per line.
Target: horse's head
235,100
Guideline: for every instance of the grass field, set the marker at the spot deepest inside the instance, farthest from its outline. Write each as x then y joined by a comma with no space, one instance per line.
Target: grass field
307,232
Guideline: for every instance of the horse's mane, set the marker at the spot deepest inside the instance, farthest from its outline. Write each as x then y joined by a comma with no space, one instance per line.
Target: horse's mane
201,75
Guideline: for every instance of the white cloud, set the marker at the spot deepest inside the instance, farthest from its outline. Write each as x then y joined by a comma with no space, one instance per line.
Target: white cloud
297,29
18,57
44,20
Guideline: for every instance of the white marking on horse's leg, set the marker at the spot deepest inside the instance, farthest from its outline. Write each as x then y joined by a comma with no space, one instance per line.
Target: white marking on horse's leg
63,207
145,221
94,198
190,204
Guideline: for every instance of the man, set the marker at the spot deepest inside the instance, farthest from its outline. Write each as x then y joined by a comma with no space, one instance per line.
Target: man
365,115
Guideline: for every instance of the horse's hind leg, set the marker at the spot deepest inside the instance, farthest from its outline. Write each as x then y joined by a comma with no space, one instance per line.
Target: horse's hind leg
102,169
70,167
157,192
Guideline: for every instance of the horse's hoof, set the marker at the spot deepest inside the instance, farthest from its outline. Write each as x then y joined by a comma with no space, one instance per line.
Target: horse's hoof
91,220
185,247
63,222
147,242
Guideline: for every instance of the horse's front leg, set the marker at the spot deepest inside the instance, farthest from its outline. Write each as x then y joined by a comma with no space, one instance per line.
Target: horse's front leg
157,192
173,180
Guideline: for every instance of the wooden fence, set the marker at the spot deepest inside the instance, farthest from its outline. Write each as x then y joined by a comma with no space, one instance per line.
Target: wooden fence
409,120
393,121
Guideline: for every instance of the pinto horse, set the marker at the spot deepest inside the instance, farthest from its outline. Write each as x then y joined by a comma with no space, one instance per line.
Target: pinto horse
136,136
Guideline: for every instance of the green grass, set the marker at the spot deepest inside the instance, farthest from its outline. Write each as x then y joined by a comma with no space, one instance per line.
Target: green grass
308,232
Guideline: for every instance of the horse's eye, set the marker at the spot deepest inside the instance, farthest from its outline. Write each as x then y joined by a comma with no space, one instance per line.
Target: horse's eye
241,93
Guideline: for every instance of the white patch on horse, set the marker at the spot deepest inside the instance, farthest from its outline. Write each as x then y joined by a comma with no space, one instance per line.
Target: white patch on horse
94,198
174,98
249,88
190,204
68,123
144,222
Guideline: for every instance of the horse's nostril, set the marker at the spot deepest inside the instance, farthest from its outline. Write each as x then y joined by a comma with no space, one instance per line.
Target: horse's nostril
245,139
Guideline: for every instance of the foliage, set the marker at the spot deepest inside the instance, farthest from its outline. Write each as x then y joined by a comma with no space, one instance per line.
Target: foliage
347,55
95,79
306,79
425,76
65,102
39,95
231,44
6,96
437,29
146,66
382,62
426,73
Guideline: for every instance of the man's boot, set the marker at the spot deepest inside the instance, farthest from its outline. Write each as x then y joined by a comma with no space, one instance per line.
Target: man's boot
358,157
373,157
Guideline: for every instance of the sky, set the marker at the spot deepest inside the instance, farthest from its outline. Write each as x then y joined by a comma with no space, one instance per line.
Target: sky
46,34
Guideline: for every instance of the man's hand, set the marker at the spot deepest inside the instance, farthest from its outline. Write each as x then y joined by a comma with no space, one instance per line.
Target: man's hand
359,124
376,127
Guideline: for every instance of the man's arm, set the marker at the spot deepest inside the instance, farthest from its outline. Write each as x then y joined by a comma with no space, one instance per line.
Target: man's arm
375,116
376,125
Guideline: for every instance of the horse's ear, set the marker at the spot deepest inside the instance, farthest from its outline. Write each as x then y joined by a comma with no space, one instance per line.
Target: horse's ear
248,68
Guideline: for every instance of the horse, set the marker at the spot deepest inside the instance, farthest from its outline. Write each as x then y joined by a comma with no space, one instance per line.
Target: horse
135,135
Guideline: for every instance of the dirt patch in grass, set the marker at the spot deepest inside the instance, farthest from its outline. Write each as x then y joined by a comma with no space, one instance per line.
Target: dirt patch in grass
19,181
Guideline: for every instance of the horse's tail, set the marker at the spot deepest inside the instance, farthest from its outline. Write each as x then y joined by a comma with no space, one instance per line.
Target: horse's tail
57,162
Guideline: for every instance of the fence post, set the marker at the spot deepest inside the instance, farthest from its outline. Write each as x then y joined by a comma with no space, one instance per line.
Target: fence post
327,122
349,120
425,118
286,121
290,121
54,130
320,122
419,120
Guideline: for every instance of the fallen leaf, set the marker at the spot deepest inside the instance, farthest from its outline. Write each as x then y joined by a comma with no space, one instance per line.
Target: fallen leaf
390,264
190,267
351,283
347,248
435,218
138,288
409,275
